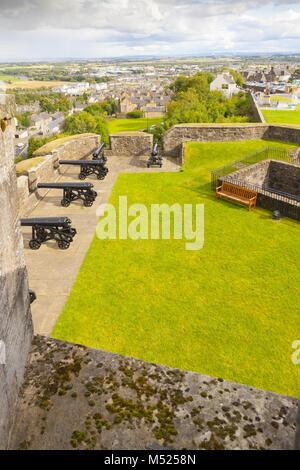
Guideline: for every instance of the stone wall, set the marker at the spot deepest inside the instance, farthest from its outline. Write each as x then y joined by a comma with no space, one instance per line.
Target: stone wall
284,133
16,329
285,177
272,174
173,139
254,174
267,178
258,115
49,169
130,144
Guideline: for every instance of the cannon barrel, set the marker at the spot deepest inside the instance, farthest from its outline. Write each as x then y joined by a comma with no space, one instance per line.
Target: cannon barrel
99,150
155,150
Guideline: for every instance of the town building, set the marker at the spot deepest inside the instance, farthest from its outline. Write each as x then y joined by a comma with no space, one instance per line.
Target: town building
224,82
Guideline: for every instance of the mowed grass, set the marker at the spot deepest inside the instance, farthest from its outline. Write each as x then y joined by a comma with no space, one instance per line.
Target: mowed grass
230,310
8,78
282,117
123,125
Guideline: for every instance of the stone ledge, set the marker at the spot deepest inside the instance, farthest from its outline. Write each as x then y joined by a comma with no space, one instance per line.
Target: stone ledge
77,397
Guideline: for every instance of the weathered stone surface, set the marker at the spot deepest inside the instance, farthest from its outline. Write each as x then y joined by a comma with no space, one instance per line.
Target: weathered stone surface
76,397
15,318
131,144
174,138
273,174
284,133
276,183
258,115
284,176
7,106
23,190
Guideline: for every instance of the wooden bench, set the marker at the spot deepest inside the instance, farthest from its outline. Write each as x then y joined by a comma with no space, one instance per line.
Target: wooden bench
238,194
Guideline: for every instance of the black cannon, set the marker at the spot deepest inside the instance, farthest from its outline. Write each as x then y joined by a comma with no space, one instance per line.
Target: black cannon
50,228
32,296
155,158
88,167
73,191
99,154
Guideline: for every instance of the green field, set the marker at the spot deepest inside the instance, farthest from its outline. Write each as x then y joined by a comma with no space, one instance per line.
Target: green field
123,125
281,98
282,117
8,78
230,310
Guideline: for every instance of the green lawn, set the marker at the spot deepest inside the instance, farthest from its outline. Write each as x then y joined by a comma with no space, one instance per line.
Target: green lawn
282,117
122,125
8,78
230,310
284,99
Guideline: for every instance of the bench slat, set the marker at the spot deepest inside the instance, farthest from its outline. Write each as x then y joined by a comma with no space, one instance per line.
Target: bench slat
237,193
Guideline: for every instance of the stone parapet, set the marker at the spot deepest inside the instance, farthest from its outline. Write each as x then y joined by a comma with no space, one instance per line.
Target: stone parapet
203,412
49,170
174,138
16,329
131,144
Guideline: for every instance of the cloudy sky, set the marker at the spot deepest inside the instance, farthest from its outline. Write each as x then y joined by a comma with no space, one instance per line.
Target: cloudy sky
35,29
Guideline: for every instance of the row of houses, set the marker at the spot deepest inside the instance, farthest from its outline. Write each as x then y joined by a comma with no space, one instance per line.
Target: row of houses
151,100
76,89
272,74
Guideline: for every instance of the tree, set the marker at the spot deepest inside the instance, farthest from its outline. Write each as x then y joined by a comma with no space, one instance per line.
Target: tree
194,102
63,104
94,109
237,76
47,105
24,119
80,123
34,144
84,122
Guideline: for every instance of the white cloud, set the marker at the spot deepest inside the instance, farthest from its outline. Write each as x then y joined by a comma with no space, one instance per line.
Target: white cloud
90,28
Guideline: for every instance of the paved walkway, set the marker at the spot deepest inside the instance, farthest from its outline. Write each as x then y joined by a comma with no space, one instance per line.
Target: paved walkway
52,271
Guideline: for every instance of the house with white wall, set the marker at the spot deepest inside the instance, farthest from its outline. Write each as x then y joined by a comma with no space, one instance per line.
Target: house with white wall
225,82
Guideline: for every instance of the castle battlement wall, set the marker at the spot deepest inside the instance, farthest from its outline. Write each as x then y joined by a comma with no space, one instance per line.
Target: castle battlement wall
16,329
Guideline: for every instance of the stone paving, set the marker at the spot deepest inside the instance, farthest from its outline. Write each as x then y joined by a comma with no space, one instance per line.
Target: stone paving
52,271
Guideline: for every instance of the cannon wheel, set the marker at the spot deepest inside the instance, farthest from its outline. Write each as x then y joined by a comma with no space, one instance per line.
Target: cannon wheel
88,202
41,235
34,244
100,177
63,244
73,231
65,202
82,176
